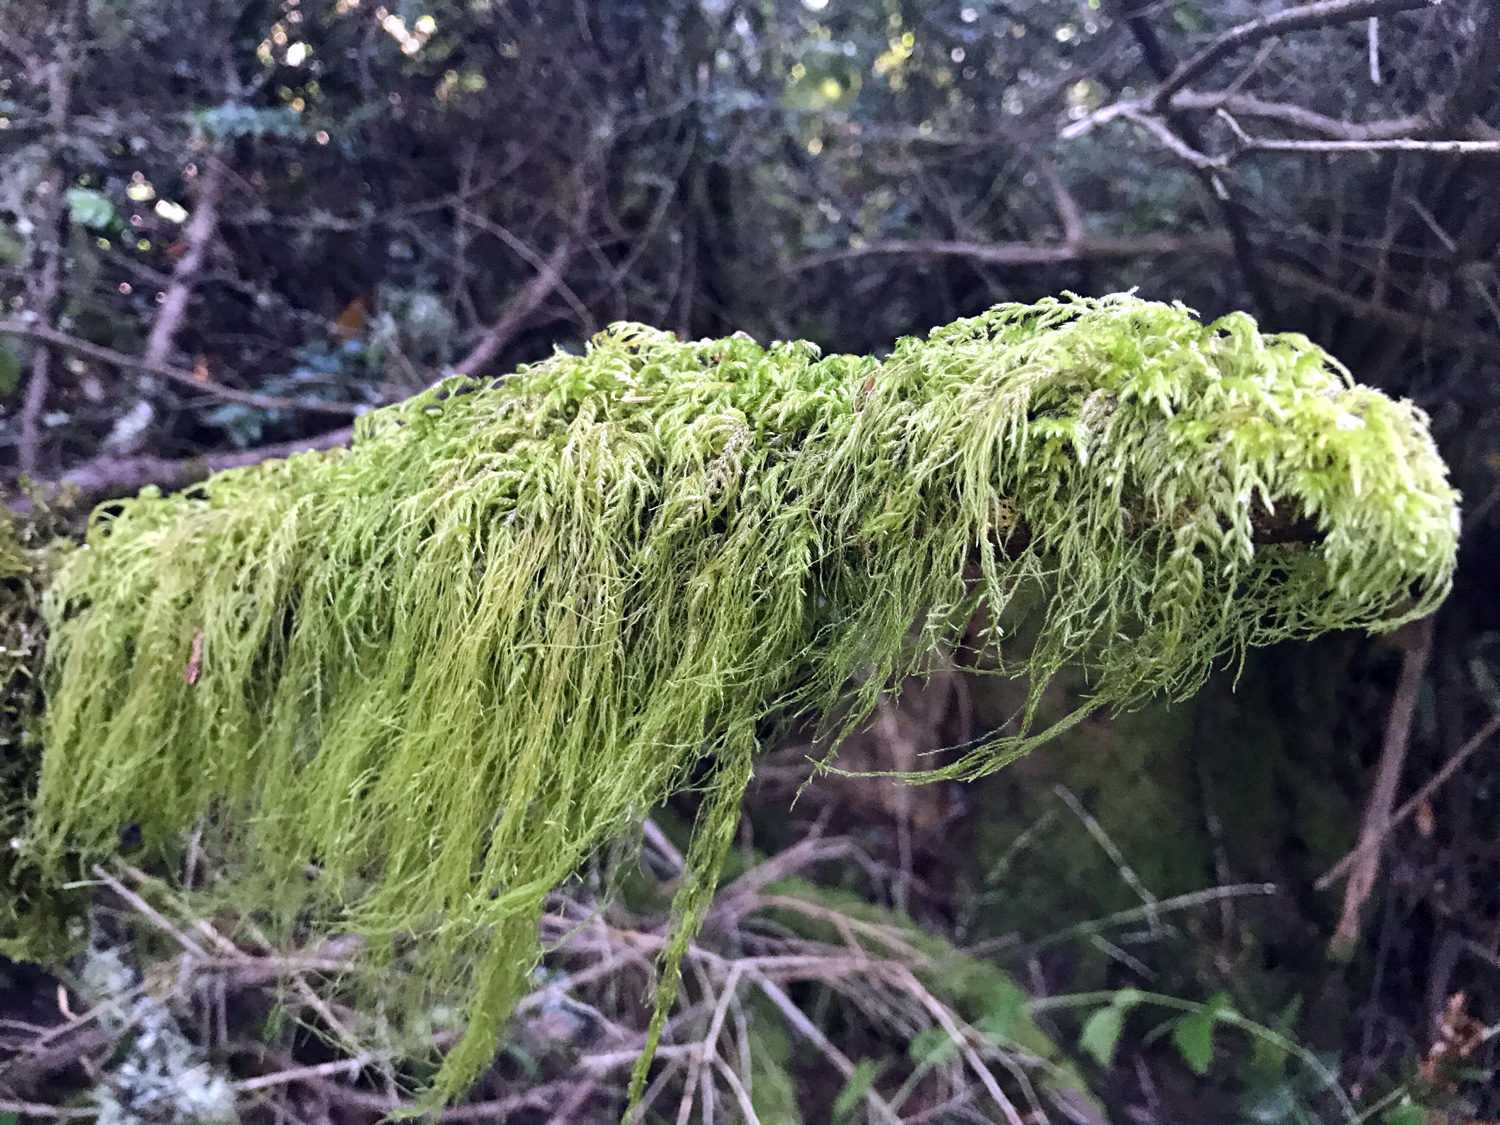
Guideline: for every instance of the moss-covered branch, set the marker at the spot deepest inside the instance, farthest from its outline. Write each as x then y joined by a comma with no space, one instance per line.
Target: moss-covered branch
414,684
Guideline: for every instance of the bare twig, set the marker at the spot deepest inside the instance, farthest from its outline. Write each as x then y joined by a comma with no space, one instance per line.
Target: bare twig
113,476
1324,13
1436,782
56,1113
48,286
1394,144
529,297
197,237
1018,253
302,1073
40,332
1445,331
150,913
1416,641
1295,116
794,1015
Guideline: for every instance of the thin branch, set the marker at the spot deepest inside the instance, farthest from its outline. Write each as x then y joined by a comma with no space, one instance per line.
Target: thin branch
1416,641
1324,13
150,913
1235,216
528,298
301,1073
1395,144
106,476
1296,116
1062,199
44,334
1442,331
1018,253
1436,782
197,237
1180,148
49,286
794,1015
56,1113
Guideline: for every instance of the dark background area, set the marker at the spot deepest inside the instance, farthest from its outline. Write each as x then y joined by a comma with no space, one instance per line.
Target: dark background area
228,227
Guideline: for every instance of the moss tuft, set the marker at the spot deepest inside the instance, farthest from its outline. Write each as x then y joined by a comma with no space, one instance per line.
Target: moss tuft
414,684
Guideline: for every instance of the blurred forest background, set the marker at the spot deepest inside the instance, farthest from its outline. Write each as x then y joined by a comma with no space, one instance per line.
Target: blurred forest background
227,227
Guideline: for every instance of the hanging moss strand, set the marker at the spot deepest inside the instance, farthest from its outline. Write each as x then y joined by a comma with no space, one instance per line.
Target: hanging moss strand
411,686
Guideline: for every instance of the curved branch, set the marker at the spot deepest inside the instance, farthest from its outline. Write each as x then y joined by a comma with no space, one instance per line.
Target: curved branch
1323,13
43,334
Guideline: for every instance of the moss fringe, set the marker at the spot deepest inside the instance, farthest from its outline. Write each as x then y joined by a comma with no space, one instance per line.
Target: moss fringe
415,684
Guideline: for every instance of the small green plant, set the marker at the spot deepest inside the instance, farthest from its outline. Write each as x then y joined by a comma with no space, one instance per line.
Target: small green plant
1283,1081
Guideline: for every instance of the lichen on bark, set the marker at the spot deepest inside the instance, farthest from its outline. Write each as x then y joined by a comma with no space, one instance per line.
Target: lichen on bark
411,686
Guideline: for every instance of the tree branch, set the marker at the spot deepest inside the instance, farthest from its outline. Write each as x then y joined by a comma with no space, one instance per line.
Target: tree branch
1433,784
1019,253
106,477
1323,13
1299,117
1443,331
48,287
1395,144
199,233
42,333
1416,642
528,298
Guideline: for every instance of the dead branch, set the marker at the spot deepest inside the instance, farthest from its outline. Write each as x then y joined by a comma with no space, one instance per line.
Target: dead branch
1298,117
1020,253
1447,332
1433,784
1323,13
530,296
1395,144
104,477
46,335
1416,642
49,286
199,233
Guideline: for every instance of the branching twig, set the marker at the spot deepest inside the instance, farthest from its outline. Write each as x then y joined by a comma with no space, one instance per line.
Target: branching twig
1416,640
1324,13
1436,782
44,334
529,297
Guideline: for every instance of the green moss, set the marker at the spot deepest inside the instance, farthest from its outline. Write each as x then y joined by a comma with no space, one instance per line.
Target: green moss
414,684
33,914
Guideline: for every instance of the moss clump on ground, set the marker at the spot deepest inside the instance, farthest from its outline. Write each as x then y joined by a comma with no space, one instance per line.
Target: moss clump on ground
412,685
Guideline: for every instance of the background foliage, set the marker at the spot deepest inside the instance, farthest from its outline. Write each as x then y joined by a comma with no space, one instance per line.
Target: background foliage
226,227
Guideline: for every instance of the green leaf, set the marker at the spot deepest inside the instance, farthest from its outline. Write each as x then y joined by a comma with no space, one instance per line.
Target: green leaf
1194,1033
249,121
1407,1112
1101,1033
90,209
1005,1009
859,1084
9,1118
10,375
934,1046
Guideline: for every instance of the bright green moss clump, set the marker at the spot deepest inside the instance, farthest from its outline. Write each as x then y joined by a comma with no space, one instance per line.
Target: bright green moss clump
416,683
